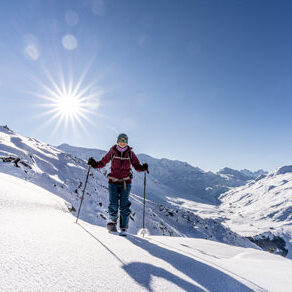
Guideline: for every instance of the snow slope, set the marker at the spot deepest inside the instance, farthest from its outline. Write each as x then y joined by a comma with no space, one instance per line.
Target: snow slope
64,175
42,249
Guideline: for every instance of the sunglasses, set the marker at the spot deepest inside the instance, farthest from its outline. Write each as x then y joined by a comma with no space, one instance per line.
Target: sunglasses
123,140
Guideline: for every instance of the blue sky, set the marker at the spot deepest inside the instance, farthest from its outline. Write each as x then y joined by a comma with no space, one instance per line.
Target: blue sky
206,82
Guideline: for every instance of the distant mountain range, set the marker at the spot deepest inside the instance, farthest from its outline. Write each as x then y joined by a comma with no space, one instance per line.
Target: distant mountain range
173,178
262,210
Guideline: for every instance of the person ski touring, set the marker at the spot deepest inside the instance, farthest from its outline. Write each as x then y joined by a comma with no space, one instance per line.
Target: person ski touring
120,179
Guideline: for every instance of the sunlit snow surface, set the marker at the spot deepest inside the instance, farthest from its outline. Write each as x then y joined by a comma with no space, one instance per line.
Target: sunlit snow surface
43,249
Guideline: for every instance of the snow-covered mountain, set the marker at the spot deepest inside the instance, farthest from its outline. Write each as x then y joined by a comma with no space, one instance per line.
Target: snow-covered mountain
254,174
64,175
262,209
173,178
240,177
42,249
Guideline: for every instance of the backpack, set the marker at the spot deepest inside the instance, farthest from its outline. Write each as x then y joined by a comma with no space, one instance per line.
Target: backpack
130,156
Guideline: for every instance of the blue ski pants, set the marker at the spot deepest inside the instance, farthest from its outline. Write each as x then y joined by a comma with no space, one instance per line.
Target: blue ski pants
119,197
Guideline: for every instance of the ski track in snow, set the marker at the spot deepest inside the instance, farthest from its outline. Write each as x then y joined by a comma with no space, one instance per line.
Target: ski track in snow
42,249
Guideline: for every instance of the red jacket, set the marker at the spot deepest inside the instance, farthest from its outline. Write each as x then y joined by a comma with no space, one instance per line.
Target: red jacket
121,163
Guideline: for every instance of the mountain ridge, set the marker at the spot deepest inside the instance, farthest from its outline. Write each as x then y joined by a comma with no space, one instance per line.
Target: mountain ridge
175,178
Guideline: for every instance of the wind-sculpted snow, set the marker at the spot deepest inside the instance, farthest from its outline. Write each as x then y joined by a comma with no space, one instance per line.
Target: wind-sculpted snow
43,249
64,175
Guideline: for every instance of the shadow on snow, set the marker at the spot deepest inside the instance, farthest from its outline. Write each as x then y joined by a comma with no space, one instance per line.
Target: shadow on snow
207,277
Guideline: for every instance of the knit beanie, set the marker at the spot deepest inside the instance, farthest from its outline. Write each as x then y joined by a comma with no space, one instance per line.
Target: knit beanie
122,136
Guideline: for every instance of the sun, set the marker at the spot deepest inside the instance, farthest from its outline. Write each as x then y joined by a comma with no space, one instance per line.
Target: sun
69,103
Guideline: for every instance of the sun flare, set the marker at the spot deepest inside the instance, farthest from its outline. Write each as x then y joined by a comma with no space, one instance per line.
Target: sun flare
69,103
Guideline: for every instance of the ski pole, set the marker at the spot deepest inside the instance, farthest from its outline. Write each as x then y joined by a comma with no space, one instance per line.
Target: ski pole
144,203
83,193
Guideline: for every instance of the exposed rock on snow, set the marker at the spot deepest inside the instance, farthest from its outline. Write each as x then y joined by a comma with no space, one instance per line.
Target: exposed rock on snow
269,242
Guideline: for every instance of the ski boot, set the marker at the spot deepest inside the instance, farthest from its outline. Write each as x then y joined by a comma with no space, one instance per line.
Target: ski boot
123,232
112,227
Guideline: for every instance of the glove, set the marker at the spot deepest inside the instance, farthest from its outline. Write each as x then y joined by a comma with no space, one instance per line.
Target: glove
91,162
145,167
